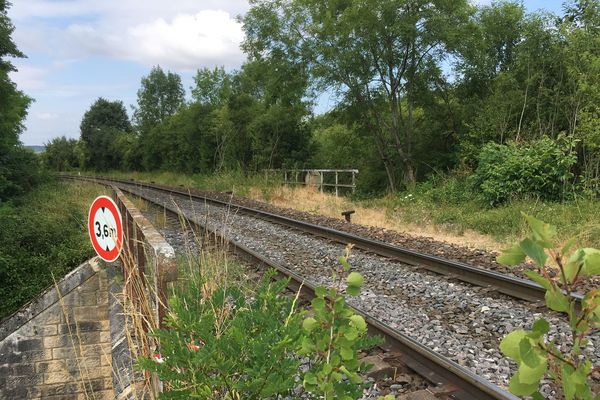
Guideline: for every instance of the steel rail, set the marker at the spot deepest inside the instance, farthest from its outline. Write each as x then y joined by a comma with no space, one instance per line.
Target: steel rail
513,286
437,369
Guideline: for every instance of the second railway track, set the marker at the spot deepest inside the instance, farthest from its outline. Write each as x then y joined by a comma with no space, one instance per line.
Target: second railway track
446,315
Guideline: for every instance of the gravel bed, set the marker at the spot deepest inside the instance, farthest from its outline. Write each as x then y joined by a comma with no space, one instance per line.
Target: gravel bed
187,243
460,321
428,245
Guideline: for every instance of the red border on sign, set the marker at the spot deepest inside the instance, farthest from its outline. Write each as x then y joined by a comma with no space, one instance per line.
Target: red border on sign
109,204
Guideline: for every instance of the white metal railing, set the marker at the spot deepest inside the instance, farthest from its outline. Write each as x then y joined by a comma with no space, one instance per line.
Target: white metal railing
317,177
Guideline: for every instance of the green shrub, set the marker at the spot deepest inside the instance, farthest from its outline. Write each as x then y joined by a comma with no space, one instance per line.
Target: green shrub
226,346
43,237
516,170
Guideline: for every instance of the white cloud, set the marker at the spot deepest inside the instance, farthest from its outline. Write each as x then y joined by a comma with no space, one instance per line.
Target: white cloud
189,41
28,78
178,34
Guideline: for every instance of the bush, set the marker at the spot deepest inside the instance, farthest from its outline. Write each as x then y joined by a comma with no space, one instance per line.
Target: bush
42,238
227,345
541,168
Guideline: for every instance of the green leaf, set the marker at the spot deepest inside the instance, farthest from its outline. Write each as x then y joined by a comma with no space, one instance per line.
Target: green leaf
346,353
542,232
310,379
534,251
556,300
353,290
355,279
309,324
318,304
344,262
537,396
359,322
307,346
539,329
510,344
534,276
527,353
516,386
569,386
512,256
532,375
321,291
351,333
591,264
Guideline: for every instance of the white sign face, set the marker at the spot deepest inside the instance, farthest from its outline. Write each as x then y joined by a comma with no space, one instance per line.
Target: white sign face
105,228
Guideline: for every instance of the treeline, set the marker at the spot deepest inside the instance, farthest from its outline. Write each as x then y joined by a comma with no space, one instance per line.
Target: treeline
420,87
19,169
244,120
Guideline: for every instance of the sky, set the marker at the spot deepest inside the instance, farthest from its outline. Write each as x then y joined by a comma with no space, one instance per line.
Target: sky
79,50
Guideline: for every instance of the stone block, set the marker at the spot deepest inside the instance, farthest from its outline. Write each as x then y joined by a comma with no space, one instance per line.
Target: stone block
92,284
105,337
25,357
82,326
16,381
381,369
22,369
59,377
102,298
52,315
29,345
15,392
49,330
60,389
64,353
51,366
88,299
89,313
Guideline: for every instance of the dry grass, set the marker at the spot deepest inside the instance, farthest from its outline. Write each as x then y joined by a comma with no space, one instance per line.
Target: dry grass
311,200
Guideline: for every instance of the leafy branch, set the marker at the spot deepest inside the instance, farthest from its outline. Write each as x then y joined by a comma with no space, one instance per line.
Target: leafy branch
570,370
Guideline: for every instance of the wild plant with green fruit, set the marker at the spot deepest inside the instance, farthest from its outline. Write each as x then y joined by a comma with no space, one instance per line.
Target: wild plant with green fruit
559,270
333,337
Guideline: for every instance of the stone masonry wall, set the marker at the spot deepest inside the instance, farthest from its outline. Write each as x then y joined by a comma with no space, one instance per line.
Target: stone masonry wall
59,346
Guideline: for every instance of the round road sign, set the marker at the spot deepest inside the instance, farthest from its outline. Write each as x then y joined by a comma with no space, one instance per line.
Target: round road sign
105,227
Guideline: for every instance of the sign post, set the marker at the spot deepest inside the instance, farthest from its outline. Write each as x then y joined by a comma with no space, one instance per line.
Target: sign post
105,227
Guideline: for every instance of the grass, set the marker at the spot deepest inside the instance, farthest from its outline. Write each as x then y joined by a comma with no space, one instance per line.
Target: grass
444,210
236,181
43,235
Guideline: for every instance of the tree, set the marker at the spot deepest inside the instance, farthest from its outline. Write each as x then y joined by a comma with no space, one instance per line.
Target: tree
18,167
375,53
213,87
100,128
160,96
60,154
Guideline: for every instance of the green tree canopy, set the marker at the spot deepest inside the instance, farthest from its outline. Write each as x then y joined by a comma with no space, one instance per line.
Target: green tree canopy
213,86
160,96
378,54
100,128
18,167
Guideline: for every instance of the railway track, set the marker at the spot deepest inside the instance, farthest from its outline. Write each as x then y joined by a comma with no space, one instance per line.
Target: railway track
436,367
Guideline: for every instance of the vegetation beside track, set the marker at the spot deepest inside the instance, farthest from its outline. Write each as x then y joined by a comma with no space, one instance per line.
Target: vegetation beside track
444,208
43,236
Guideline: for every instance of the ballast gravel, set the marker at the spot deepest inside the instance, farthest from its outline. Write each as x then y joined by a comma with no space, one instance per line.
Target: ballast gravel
460,321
